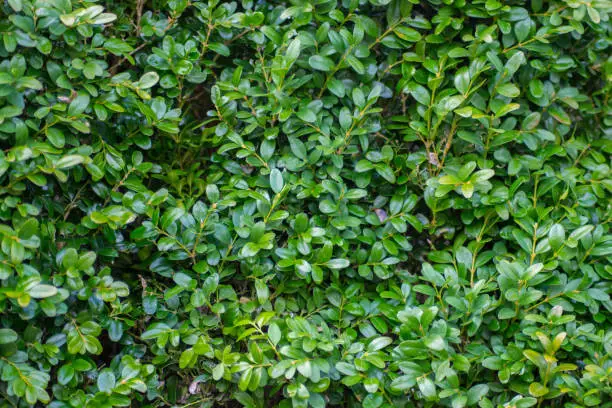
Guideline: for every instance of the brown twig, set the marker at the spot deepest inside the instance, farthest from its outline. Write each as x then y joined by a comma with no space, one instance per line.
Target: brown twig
135,50
139,6
171,21
72,203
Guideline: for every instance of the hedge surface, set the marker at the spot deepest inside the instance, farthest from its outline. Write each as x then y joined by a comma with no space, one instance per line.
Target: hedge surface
383,203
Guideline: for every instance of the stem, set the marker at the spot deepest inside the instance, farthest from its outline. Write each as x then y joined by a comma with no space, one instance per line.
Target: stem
533,244
525,43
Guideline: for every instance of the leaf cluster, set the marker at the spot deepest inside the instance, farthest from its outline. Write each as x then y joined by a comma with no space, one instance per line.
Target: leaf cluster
305,203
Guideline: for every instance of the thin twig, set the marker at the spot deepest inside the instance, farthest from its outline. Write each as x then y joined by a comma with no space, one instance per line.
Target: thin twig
135,50
72,203
139,6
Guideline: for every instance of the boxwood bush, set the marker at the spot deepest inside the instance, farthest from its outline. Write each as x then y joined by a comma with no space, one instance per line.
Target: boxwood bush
305,203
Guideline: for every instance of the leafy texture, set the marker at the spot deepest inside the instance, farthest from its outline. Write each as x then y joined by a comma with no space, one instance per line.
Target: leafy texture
377,203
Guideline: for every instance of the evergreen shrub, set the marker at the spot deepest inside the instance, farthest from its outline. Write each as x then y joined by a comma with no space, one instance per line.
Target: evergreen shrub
305,203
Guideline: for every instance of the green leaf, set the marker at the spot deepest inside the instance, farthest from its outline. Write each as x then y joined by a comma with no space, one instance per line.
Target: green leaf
69,161
593,14
262,290
276,181
462,82
434,342
427,387
321,63
537,390
104,18
218,371
556,236
373,401
171,216
293,50
521,29
507,109
355,64
249,249
56,137
509,90
407,34
78,105
386,172
8,336
559,114
420,94
10,111
106,381
307,115
336,87
16,5
577,235
514,62
536,88
337,263
148,80
379,343
186,358
404,382
65,374
274,333
42,291
118,46
219,48
531,121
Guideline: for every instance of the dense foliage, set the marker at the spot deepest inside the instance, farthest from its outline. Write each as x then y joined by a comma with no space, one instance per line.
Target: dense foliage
383,203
